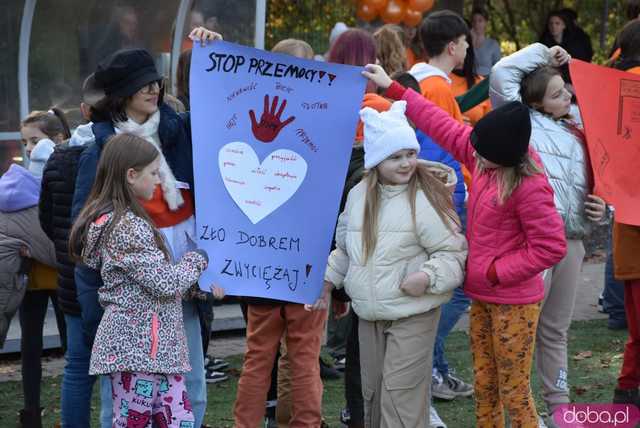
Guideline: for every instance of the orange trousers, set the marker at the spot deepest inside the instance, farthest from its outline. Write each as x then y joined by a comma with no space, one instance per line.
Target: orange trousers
303,332
502,343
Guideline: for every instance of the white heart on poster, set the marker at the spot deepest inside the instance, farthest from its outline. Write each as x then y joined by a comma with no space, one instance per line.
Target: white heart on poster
260,188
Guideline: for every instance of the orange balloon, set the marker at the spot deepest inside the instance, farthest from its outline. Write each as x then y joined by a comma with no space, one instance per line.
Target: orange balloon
394,12
366,13
376,5
420,5
412,17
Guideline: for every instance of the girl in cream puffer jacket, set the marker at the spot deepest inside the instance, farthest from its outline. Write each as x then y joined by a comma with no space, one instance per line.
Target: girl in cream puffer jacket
399,254
374,284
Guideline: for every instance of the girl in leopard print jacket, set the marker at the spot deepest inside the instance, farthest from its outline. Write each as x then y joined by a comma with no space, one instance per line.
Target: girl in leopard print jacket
141,342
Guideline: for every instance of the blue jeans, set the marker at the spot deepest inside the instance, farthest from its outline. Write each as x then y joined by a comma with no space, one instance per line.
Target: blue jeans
451,313
613,295
195,380
77,384
106,402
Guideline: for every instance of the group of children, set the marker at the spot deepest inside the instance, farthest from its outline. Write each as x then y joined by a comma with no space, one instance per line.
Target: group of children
400,256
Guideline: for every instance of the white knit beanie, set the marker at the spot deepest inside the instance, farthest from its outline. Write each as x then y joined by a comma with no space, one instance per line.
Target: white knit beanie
336,31
385,133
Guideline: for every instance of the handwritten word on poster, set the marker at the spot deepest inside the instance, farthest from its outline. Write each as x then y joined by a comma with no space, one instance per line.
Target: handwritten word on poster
272,137
609,102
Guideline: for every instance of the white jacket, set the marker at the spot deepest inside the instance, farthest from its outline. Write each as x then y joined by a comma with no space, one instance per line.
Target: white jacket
374,285
564,155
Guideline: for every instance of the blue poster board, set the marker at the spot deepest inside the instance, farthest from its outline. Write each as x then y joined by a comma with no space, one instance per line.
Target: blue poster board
272,138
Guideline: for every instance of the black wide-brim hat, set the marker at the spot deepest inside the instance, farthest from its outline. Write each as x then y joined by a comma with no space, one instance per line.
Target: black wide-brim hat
126,71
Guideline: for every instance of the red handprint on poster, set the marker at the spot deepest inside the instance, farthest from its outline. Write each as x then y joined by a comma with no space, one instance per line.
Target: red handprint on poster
270,124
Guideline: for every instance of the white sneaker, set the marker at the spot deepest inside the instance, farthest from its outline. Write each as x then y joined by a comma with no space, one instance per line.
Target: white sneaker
434,418
542,423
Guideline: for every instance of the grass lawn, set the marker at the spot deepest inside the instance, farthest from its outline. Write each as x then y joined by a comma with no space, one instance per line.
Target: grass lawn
595,359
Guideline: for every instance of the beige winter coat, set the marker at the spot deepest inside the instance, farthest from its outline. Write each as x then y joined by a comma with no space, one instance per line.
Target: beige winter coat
374,286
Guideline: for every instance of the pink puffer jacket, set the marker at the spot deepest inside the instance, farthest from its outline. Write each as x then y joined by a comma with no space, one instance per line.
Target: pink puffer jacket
522,237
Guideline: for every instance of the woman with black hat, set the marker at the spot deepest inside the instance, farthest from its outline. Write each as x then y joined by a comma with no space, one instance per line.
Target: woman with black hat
133,103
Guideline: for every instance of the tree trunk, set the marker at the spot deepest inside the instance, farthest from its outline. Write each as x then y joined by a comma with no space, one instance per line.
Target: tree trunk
454,5
479,4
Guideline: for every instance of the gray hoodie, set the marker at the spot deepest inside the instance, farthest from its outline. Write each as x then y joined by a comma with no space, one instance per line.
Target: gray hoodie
83,135
19,228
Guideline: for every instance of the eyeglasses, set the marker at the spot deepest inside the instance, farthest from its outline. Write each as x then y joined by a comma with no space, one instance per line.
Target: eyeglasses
152,87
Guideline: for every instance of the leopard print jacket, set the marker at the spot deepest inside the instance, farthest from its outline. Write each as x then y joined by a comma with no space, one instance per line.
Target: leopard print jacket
142,328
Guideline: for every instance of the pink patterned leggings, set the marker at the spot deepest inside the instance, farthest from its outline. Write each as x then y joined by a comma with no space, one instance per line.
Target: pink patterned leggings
142,399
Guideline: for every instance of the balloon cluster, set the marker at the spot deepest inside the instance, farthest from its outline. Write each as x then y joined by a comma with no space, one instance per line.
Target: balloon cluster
408,12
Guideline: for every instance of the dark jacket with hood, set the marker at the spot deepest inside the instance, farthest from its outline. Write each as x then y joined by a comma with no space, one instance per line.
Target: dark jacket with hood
175,137
56,197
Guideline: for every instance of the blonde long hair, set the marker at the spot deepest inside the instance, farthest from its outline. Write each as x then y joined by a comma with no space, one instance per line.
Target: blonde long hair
438,195
509,178
390,49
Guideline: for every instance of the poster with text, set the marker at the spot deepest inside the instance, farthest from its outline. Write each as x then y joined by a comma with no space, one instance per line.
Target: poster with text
609,103
272,138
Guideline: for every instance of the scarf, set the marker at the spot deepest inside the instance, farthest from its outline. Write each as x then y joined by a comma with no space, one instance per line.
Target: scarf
149,132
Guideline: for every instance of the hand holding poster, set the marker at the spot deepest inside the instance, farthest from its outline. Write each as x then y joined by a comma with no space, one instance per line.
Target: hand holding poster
610,106
272,136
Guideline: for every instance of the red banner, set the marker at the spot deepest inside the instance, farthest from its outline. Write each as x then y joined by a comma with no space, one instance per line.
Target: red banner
609,103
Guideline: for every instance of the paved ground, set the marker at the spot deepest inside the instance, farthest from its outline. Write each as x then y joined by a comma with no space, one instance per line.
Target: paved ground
229,317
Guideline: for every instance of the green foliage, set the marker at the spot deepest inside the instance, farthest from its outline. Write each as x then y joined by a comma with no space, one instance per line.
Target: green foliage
308,20
517,23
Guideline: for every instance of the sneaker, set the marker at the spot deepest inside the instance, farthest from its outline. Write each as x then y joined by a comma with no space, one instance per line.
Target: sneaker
458,386
434,418
439,388
270,422
213,363
339,364
327,372
616,324
601,304
345,416
449,387
213,376
542,423
626,396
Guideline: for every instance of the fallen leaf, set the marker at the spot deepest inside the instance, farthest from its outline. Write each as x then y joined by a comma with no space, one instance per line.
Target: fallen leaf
582,355
580,390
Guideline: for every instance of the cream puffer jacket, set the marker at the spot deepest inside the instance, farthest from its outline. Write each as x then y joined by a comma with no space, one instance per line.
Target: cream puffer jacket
431,247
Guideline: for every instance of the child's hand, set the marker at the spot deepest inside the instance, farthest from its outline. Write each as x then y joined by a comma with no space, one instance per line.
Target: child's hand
203,35
377,75
218,292
415,284
559,56
323,301
340,308
595,208
24,251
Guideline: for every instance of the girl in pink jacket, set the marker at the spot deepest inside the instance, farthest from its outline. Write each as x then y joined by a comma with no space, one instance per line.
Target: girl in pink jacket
514,233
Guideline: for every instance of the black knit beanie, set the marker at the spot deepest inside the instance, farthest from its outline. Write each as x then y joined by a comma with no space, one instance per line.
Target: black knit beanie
126,71
502,136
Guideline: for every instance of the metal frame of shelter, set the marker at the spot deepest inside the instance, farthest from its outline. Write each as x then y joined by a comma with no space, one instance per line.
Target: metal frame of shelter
183,10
